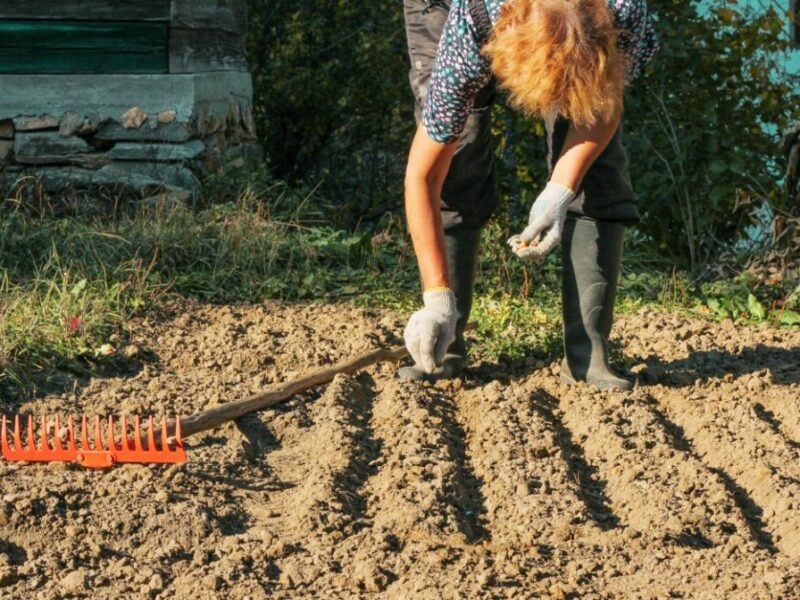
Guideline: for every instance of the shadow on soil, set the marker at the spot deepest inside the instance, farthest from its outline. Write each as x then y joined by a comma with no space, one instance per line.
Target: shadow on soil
18,387
259,440
751,512
591,487
16,554
775,424
361,464
253,473
783,363
467,496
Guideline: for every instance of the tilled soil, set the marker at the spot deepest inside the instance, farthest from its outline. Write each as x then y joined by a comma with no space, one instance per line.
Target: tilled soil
504,485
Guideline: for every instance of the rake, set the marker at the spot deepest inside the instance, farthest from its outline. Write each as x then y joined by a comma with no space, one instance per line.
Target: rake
102,452
100,449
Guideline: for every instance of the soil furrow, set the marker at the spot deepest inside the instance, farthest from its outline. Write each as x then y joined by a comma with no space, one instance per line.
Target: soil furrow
591,487
322,467
425,505
759,467
532,496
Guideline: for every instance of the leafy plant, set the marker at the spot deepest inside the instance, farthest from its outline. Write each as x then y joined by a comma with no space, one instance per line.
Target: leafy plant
332,101
704,124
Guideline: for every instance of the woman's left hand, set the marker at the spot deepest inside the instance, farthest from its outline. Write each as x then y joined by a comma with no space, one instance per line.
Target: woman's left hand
545,225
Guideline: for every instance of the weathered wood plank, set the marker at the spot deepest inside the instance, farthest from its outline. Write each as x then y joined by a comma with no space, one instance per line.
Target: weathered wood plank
55,62
107,97
87,47
200,50
83,35
101,10
240,11
228,15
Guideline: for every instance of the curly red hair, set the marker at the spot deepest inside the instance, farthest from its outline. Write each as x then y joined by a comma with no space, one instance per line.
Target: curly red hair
559,55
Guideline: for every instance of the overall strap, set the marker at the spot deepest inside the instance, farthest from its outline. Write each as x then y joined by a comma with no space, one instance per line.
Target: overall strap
483,23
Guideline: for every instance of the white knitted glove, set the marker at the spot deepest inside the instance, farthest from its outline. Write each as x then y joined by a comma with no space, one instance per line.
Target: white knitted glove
547,218
431,330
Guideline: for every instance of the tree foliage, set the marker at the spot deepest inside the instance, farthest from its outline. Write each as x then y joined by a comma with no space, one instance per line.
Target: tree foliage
702,124
332,99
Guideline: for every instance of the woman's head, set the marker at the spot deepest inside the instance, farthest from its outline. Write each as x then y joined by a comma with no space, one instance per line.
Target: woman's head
559,55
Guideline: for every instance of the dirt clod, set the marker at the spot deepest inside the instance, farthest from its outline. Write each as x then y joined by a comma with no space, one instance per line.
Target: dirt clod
74,582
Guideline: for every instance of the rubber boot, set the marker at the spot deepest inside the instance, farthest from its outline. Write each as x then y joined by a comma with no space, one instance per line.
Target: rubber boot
591,259
461,249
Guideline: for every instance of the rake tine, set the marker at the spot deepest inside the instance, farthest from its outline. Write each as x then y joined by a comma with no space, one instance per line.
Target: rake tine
137,435
164,442
151,437
71,428
84,433
57,437
31,441
112,445
4,433
124,427
44,442
17,434
98,434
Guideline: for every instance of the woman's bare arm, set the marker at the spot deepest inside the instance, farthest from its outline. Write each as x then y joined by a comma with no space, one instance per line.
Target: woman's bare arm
581,148
549,212
428,163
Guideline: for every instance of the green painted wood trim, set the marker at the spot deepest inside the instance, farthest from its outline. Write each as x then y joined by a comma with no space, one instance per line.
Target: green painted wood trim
83,47
86,10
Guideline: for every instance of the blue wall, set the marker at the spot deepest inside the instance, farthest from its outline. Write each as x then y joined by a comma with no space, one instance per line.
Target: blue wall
783,7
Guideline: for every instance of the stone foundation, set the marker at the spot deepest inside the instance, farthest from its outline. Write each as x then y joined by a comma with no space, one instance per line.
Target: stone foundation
139,132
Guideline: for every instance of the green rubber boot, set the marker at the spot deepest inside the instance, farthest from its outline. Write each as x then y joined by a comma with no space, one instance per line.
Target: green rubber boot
591,259
461,248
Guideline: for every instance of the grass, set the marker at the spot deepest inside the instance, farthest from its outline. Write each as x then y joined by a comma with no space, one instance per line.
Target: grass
73,273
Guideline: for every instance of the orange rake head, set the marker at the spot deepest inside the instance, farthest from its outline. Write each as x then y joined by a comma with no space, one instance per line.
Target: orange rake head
64,446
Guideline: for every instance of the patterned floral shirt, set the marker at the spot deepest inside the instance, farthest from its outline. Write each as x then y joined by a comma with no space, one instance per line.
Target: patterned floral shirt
461,71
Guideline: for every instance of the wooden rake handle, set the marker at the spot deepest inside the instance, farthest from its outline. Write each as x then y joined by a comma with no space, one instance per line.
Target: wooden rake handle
213,417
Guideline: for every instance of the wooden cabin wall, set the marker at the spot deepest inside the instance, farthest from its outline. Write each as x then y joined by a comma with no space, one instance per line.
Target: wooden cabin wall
208,35
204,35
91,10
137,94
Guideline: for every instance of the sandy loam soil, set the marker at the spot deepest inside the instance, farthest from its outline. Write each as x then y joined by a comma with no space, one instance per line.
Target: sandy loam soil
504,485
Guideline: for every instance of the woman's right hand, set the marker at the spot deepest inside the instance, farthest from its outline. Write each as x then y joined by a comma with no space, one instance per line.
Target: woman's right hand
431,330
